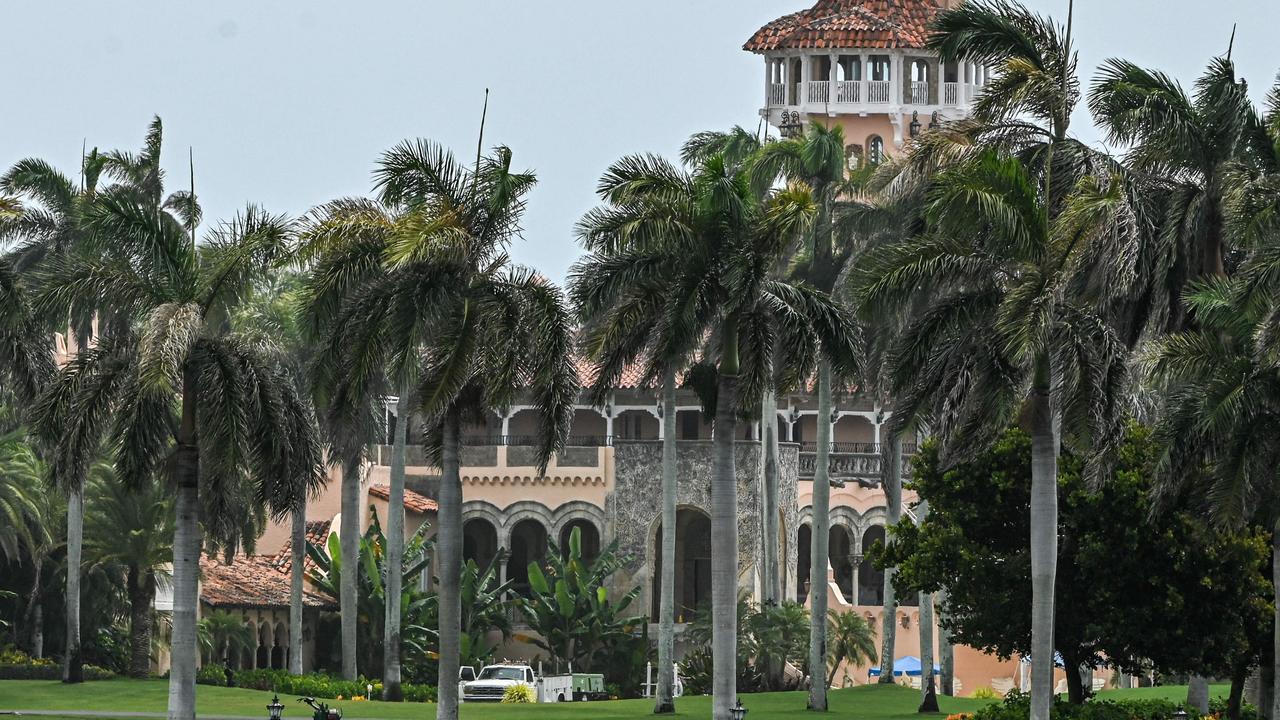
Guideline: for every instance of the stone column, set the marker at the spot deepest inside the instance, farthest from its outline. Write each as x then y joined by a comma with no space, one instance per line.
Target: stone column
806,73
834,61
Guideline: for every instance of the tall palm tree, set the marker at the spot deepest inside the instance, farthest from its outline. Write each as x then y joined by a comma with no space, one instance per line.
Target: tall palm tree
130,528
242,437
1003,334
690,256
452,313
52,223
1221,389
271,312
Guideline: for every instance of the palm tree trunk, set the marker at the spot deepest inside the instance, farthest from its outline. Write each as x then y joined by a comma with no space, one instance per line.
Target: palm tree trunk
724,541
142,591
926,631
772,582
395,555
73,661
449,547
349,548
772,519
186,560
1044,541
34,616
891,462
1198,693
818,560
665,700
946,651
297,568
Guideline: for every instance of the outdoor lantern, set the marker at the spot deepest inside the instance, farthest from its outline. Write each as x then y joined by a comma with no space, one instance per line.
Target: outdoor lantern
934,123
790,126
915,123
275,708
740,713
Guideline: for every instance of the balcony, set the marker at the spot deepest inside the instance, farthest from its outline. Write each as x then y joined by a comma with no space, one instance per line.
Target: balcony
866,95
858,461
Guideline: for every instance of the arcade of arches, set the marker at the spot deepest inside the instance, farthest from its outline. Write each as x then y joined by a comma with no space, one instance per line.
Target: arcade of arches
856,576
527,542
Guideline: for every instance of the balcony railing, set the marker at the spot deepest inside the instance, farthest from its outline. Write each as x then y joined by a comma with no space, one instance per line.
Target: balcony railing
878,92
849,91
950,93
531,440
818,91
856,448
919,92
777,94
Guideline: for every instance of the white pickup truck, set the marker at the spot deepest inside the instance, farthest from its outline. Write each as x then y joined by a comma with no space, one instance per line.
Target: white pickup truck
493,680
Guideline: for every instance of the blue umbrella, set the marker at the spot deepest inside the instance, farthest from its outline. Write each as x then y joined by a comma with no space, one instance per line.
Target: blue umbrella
908,665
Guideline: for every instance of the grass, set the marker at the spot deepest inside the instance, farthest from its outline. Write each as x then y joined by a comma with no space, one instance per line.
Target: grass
877,702
874,702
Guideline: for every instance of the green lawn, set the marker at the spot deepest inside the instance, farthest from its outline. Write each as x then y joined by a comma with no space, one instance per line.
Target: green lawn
867,703
876,702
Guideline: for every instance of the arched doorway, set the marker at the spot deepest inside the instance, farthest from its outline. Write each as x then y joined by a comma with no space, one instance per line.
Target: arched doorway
279,658
528,544
804,547
840,550
589,536
479,541
870,580
263,657
693,564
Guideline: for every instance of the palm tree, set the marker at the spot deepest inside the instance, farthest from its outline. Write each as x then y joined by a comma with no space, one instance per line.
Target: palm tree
851,640
52,223
131,528
491,329
20,509
243,437
1003,333
1191,145
1220,394
689,256
271,312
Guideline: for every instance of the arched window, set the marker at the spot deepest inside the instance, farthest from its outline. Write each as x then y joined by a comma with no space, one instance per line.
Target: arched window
528,545
693,564
875,149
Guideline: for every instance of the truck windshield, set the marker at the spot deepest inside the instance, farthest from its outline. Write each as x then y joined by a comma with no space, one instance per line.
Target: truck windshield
502,673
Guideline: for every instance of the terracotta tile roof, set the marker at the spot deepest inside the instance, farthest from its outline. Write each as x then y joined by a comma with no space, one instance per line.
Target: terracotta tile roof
632,375
317,534
849,24
251,582
413,501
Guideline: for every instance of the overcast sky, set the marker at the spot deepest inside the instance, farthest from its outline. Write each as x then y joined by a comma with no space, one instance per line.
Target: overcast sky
287,103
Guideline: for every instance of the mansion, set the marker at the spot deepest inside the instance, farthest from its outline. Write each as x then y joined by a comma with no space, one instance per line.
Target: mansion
861,64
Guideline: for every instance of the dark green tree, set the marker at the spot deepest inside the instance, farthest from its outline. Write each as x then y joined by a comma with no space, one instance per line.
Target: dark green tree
1137,587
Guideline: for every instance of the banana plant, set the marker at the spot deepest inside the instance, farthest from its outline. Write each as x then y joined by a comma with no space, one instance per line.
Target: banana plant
485,607
326,576
570,608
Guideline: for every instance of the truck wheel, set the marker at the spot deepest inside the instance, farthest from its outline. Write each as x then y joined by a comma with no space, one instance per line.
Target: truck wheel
560,697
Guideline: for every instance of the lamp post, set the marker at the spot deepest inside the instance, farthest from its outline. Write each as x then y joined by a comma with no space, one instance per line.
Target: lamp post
737,711
275,709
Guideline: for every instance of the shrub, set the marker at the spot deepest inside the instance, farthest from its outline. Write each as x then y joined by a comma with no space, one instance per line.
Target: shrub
17,665
1017,706
518,693
985,693
325,686
212,674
